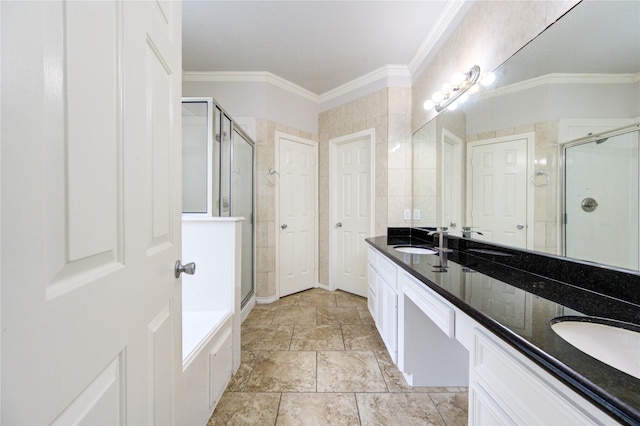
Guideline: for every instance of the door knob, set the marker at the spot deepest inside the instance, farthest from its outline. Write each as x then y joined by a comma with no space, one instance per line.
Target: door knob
189,269
283,226
520,226
339,225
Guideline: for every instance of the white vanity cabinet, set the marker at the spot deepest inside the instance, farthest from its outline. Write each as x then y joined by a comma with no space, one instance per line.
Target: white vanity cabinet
507,388
383,299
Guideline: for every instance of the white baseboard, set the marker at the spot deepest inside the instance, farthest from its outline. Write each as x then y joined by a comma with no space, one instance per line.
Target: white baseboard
266,300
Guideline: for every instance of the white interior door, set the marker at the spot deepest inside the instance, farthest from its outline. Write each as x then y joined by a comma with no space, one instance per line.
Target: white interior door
90,212
297,218
351,201
498,190
452,182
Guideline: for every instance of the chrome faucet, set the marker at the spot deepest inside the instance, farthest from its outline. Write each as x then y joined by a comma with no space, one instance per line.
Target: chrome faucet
466,232
442,248
442,238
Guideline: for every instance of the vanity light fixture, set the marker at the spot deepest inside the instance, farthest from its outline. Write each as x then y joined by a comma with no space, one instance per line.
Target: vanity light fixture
455,91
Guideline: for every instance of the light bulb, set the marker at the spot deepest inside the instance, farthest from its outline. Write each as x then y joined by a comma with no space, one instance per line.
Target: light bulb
463,98
453,106
473,89
458,78
447,88
428,104
437,97
488,79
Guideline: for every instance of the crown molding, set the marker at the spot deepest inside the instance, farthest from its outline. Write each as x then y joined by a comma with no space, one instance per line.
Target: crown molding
438,29
561,78
385,72
251,77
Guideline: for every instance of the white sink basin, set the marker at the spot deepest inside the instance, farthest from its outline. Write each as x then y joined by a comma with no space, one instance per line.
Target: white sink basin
602,339
414,250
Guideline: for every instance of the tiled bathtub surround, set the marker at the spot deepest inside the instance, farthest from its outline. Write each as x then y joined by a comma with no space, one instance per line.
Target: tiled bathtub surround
316,358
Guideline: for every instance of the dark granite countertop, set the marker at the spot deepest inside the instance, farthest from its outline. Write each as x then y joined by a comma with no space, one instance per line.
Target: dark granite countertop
478,274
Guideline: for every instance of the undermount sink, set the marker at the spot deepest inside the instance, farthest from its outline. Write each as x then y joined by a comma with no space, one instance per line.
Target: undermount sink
415,250
612,342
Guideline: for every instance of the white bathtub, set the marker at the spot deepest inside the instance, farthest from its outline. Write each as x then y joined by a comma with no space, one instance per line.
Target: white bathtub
210,313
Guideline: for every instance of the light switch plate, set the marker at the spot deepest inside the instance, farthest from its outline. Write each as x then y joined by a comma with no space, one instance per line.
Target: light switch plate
407,214
416,214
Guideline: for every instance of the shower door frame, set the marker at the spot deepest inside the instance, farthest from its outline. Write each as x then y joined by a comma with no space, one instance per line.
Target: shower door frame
213,107
235,127
562,172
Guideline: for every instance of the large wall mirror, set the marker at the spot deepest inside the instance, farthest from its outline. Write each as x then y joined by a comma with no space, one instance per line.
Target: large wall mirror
513,161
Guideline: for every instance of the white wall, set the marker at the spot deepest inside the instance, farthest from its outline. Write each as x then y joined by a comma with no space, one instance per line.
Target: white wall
261,100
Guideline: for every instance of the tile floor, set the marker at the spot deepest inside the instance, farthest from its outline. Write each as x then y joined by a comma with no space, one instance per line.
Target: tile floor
316,358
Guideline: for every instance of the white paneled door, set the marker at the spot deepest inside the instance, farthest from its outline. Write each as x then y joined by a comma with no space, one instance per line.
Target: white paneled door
351,206
91,323
498,190
297,218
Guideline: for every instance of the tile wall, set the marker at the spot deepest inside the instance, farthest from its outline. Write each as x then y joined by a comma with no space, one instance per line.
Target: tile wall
388,111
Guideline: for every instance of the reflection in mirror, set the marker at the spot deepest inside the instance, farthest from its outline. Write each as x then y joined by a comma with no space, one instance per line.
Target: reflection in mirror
580,76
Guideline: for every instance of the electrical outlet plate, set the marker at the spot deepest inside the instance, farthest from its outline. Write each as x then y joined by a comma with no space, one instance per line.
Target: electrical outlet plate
407,214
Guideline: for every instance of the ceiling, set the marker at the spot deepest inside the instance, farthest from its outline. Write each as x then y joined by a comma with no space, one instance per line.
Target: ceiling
317,45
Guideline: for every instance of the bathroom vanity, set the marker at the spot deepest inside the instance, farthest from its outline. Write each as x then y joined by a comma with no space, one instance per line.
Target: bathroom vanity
481,316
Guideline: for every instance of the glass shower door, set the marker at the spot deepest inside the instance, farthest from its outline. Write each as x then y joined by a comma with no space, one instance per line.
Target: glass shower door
242,204
601,201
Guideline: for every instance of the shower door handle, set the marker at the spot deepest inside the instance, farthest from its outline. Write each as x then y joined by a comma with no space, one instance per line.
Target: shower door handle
189,269
283,226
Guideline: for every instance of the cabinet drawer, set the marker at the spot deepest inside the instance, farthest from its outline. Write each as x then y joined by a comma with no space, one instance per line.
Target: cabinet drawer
387,270
523,391
371,256
439,311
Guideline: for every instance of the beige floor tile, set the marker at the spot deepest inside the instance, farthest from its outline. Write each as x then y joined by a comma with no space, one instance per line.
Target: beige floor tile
318,409
349,371
240,379
453,407
266,337
397,409
365,315
317,299
348,299
335,370
283,371
338,315
295,315
317,338
259,316
358,337
240,408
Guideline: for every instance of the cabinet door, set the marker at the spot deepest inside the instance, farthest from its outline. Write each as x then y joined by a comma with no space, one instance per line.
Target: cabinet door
390,321
371,297
483,410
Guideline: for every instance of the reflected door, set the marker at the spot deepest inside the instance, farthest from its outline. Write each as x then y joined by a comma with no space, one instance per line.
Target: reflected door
498,195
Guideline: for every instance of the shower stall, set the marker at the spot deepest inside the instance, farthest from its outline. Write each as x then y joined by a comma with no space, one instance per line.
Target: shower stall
218,174
601,198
